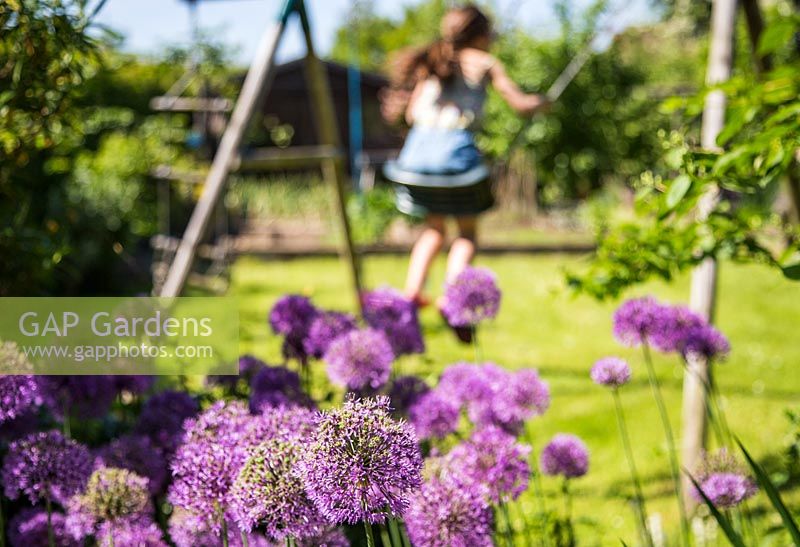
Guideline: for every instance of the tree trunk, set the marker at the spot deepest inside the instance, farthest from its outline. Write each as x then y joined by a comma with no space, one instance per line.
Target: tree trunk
704,276
755,26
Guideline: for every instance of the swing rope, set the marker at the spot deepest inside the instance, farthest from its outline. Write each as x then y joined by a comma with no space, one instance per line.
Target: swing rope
572,69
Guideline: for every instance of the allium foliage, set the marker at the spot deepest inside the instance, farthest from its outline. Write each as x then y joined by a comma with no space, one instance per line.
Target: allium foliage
473,296
565,455
362,464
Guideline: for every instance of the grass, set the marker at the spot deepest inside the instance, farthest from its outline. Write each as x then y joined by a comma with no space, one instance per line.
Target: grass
541,325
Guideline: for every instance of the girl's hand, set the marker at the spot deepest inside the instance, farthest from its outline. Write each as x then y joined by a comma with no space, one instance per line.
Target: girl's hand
536,104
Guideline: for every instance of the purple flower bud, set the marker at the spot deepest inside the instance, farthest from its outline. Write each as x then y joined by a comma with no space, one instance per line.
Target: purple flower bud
565,455
611,371
471,298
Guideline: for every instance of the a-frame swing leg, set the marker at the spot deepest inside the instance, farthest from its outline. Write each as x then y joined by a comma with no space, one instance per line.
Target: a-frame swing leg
328,134
254,89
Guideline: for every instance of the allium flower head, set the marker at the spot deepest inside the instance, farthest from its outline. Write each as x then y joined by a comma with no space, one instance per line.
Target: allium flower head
45,464
673,325
726,489
362,463
18,395
495,396
29,529
112,493
139,531
360,359
206,464
493,459
290,423
162,418
84,396
277,386
405,391
269,493
138,454
636,319
565,455
324,329
292,315
434,415
248,367
611,371
471,298
706,341
444,512
389,311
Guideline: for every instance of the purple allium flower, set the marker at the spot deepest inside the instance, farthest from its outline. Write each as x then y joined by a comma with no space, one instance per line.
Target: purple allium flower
206,464
565,455
23,425
138,531
162,418
471,298
248,367
434,415
726,489
330,538
111,495
187,529
138,454
405,391
444,512
611,371
706,341
495,396
83,396
29,529
18,395
289,423
636,320
269,493
277,386
359,359
672,327
389,311
324,329
362,465
292,316
493,459
45,464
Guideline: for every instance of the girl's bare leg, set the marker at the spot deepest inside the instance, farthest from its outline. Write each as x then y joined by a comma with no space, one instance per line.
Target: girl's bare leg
463,248
425,250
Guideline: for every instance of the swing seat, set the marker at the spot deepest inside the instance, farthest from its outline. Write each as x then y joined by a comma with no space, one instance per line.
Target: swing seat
459,194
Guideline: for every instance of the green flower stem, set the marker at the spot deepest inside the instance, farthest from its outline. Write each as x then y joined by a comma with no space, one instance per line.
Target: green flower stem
637,485
386,541
245,539
394,530
567,495
670,438
509,531
475,346
224,525
370,537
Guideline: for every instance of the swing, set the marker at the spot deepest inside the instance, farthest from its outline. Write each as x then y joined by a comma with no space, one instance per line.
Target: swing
468,192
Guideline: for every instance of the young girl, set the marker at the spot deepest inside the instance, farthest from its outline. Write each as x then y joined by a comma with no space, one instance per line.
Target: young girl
440,90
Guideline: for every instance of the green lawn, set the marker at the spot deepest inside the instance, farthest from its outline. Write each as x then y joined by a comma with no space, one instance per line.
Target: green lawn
541,325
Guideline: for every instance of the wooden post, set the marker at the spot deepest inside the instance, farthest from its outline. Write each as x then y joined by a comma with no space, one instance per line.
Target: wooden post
327,129
253,90
704,276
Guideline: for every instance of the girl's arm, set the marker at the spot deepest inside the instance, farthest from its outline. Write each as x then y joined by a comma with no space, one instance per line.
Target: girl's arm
398,104
526,104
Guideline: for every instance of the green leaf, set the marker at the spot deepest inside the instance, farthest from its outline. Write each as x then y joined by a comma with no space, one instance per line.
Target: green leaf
772,492
777,34
680,185
724,523
792,271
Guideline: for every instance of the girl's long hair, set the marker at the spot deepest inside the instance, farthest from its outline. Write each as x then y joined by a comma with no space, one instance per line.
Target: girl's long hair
460,28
